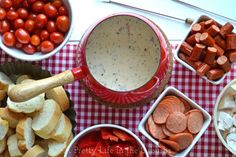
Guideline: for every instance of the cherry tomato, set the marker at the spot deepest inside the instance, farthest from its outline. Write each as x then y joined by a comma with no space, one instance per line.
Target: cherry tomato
57,37
62,11
57,3
4,26
41,20
8,39
12,15
50,10
22,36
19,45
29,49
2,14
44,35
32,17
23,13
122,150
46,46
29,25
18,23
51,26
63,23
35,40
17,3
38,6
6,4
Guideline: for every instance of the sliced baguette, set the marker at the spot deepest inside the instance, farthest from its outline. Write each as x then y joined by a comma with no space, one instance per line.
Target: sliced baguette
11,117
29,106
3,145
21,78
25,134
12,144
4,127
4,81
59,95
45,121
3,94
63,129
57,149
35,151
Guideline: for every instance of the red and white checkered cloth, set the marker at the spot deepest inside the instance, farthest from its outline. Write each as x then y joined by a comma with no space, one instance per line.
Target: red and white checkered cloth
90,112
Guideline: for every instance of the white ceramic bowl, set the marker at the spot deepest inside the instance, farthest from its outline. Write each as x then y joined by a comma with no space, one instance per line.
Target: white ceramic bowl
72,146
201,18
19,54
215,116
173,91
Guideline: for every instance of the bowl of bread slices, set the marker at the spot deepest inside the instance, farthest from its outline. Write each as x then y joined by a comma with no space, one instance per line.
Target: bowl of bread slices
41,126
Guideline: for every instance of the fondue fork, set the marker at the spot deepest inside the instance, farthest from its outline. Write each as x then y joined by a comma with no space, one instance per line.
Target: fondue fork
187,20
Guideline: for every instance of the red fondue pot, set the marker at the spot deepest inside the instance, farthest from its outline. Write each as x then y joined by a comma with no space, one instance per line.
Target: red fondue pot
124,35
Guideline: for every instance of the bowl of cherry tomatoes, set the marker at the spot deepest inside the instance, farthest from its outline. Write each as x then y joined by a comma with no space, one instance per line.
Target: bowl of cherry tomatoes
33,30
106,140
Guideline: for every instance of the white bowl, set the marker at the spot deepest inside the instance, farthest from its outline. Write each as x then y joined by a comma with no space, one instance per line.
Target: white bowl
72,146
19,54
201,18
215,116
174,91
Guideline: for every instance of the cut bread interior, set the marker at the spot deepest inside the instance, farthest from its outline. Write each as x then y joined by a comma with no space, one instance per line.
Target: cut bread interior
59,95
25,134
12,144
4,127
29,106
35,151
11,117
63,129
45,121
21,78
57,149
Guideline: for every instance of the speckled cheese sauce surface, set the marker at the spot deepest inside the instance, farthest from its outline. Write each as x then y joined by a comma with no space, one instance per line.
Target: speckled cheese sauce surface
123,53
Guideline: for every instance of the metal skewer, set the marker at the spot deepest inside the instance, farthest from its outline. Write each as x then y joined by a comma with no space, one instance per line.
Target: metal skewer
187,20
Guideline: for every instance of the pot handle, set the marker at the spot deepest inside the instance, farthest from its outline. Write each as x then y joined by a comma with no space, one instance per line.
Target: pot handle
25,91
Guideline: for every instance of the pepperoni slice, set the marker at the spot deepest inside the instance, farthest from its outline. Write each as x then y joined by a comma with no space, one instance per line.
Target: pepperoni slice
169,151
166,131
187,106
176,122
172,144
195,122
155,130
183,139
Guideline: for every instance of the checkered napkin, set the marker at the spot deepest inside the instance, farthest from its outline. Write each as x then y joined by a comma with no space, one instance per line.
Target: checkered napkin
90,112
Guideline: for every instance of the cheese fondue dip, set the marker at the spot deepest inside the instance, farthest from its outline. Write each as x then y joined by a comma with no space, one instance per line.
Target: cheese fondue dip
123,53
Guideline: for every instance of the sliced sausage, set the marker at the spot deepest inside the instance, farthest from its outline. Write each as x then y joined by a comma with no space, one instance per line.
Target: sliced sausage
206,39
176,122
215,74
226,29
186,48
231,42
223,62
195,122
196,53
210,55
203,69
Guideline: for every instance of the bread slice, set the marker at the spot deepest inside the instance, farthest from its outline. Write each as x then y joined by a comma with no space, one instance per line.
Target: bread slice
35,151
21,78
29,106
57,149
4,81
11,117
63,129
59,95
12,144
45,121
4,127
25,134
3,145
3,94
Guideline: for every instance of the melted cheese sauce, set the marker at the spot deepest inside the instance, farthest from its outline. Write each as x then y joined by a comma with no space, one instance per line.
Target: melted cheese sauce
123,53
